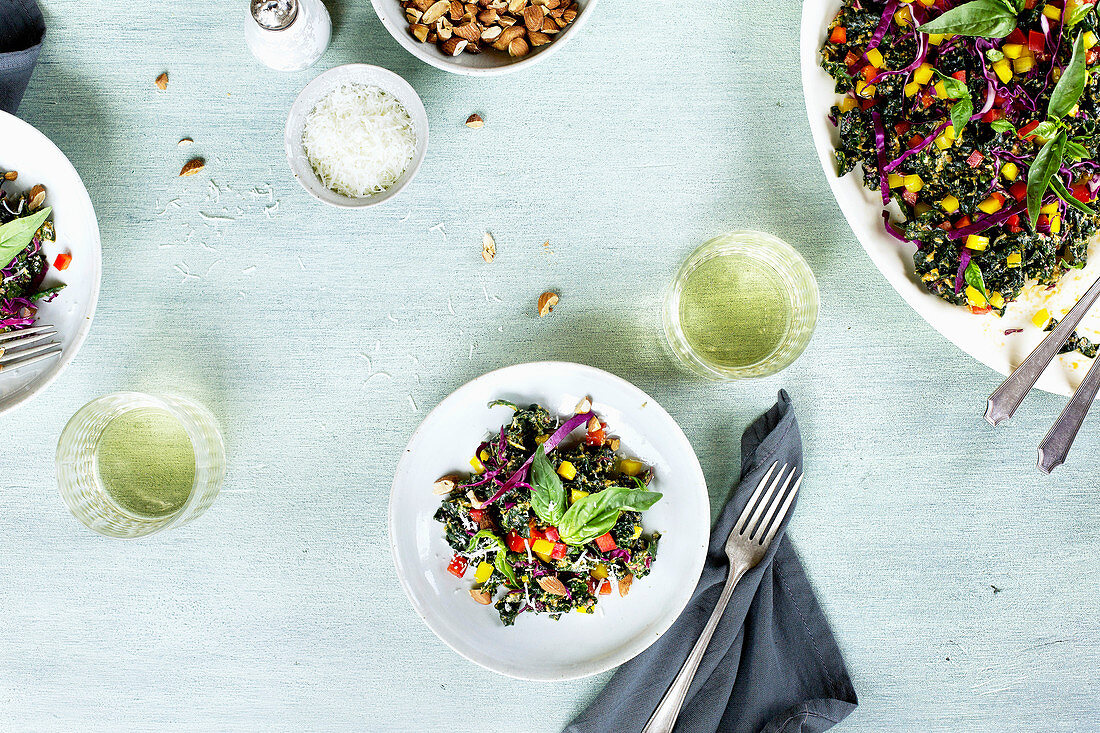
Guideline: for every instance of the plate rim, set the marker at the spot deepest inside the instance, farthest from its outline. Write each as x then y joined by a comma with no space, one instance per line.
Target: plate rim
82,332
608,661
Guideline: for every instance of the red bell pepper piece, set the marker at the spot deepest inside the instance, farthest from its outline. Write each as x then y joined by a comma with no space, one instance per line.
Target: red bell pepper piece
979,310
901,128
993,115
1043,223
457,567
477,515
839,35
606,542
1025,131
515,542
559,551
867,104
596,437
1017,36
850,59
1081,192
944,225
605,588
1036,41
915,141
962,221
1018,190
910,197
63,261
975,159
959,76
868,72
551,534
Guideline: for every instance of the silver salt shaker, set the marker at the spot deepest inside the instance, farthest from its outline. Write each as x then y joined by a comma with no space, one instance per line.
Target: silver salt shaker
287,35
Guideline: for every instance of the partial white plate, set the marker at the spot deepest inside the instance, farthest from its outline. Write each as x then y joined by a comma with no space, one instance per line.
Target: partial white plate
983,337
38,160
537,647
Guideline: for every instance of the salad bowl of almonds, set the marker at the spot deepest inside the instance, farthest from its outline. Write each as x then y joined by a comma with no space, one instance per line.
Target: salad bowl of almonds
482,37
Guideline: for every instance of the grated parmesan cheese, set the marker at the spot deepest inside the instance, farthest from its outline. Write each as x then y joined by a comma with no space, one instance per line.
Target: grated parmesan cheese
359,140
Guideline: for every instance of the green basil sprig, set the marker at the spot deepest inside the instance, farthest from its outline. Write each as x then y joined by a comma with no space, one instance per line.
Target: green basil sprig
500,561
977,18
973,276
1045,166
963,109
1063,193
596,514
547,491
18,233
1071,85
1079,13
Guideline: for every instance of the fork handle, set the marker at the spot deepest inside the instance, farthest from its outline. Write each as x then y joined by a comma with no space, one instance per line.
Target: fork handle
668,710
1006,398
1055,446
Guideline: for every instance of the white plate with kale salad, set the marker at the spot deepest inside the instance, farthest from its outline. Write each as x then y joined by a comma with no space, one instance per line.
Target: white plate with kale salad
49,253
962,141
549,521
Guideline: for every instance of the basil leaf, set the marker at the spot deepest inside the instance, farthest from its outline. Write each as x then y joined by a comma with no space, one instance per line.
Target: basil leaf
954,88
47,293
1002,126
1063,193
961,112
504,403
977,18
973,277
547,492
1046,164
1071,85
500,562
596,514
1076,151
18,233
1045,130
1079,13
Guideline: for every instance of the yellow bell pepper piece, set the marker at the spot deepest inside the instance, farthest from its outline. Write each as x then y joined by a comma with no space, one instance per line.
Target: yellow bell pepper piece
950,204
1089,40
895,180
935,39
1003,70
1023,65
902,18
1013,260
1056,224
479,467
943,142
996,300
1013,50
874,58
630,467
865,90
977,242
484,570
600,571
975,297
949,133
584,609
912,88
576,495
941,90
1051,208
567,471
923,73
1010,171
990,205
914,183
1040,318
540,439
1053,12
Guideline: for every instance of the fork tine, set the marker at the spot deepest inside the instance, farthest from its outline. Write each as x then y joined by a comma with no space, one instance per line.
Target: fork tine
13,356
759,528
27,361
754,523
25,332
25,341
752,499
778,521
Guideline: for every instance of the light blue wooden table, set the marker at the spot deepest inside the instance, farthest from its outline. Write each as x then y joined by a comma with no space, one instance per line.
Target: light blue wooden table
660,126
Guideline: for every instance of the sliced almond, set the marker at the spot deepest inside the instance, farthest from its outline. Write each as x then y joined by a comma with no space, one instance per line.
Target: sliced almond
445,484
192,167
36,197
569,16
553,586
435,12
480,596
473,48
162,81
453,46
516,6
532,17
474,501
469,31
583,406
510,34
488,248
475,122
457,10
624,584
491,33
423,5
445,35
11,175
420,31
507,21
538,38
488,17
614,443
184,142
549,26
547,301
593,424
413,15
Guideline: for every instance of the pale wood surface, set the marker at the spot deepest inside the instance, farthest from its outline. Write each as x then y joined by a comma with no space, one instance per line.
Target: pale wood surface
661,125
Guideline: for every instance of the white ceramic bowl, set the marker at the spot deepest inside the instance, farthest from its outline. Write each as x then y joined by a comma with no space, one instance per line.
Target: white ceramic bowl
490,62
537,647
38,160
983,337
316,90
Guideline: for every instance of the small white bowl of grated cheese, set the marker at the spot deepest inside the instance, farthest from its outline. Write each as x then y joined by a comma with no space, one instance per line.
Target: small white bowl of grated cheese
356,135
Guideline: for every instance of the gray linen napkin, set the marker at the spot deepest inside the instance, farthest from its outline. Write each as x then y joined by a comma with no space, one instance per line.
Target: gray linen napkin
773,665
21,30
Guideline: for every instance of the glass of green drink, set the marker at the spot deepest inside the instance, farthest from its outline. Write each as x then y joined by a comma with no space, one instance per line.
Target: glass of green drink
743,305
131,464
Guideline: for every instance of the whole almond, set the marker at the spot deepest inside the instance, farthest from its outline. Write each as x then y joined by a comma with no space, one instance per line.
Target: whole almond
470,31
481,597
553,586
192,167
624,584
162,81
538,38
516,6
36,197
569,15
532,17
445,484
420,31
457,10
488,17
547,301
491,33
510,34
454,46
475,122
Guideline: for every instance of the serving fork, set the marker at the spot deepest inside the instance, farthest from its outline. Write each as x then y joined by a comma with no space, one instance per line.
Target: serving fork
17,348
746,546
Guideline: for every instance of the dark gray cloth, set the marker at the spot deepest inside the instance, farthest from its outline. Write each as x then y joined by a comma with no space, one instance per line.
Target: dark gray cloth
773,665
21,30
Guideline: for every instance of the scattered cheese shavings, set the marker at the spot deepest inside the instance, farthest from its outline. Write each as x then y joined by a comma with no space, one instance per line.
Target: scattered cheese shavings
359,140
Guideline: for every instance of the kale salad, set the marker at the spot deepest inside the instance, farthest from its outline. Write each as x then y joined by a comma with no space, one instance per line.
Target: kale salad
24,226
981,121
546,523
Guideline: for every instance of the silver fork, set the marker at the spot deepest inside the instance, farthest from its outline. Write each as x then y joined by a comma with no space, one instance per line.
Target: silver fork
17,350
745,548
